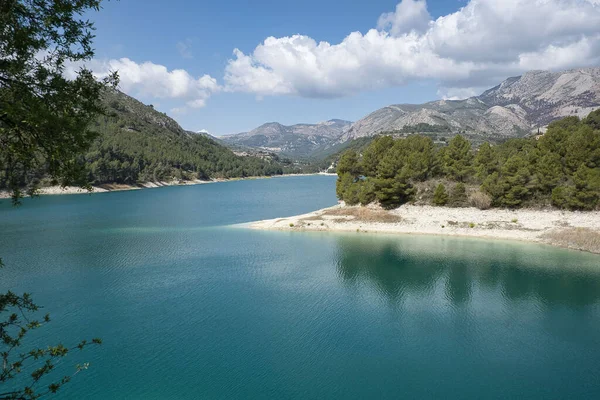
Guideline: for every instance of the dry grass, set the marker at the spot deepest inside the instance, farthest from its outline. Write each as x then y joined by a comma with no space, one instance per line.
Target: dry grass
116,186
480,200
575,238
364,214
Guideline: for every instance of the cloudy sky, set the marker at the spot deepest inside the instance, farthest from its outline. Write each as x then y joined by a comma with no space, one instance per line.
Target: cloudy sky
230,66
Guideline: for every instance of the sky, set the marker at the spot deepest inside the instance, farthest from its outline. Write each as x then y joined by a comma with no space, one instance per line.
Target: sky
229,66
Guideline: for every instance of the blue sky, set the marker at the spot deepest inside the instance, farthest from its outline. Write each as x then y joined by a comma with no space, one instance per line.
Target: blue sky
420,51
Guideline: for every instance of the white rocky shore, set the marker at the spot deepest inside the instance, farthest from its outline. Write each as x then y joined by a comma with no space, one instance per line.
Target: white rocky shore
576,230
56,190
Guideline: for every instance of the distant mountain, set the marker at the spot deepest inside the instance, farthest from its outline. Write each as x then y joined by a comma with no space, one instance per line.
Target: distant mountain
514,108
298,140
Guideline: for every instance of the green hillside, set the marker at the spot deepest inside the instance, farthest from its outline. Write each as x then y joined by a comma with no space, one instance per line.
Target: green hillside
137,144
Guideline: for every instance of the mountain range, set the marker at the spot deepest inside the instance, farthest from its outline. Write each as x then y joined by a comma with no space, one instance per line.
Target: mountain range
517,107
514,108
298,140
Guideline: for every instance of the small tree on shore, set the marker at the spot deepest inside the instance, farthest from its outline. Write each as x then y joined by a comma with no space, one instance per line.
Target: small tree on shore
458,195
440,196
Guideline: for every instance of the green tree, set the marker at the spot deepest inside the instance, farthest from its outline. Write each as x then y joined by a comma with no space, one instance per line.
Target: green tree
419,157
593,120
392,186
457,159
374,153
486,162
440,196
582,148
393,192
343,185
458,195
348,170
548,172
45,117
366,194
583,194
512,186
44,126
349,164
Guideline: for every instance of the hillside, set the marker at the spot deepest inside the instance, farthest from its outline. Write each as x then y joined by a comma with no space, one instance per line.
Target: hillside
299,140
138,143
514,108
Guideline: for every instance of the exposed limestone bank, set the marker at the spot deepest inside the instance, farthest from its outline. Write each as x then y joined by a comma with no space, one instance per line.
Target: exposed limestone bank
575,230
110,187
114,187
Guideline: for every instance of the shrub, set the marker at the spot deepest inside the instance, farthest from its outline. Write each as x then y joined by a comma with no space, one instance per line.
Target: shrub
440,196
480,200
291,225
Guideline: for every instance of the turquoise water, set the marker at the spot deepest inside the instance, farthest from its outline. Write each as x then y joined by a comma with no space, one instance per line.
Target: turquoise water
191,308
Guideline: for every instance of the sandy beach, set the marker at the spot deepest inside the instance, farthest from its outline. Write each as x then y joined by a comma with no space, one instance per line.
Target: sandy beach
574,230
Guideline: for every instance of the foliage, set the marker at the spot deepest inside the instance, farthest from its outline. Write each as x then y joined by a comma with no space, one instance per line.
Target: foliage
138,144
457,159
561,168
39,363
440,196
44,128
374,153
348,164
458,195
44,116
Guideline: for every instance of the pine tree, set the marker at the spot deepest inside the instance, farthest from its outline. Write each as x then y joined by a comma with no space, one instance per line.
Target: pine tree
440,196
485,161
457,159
349,164
374,153
458,195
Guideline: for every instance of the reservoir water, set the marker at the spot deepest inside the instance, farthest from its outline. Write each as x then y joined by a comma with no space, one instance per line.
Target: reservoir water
191,307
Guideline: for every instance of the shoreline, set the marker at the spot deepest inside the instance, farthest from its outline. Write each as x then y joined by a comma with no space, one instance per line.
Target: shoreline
567,229
119,187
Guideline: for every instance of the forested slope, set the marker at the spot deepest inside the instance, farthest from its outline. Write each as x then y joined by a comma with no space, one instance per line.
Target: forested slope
560,168
138,143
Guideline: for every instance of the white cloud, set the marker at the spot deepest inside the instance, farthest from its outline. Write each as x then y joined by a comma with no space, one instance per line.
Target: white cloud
459,93
149,80
410,15
478,45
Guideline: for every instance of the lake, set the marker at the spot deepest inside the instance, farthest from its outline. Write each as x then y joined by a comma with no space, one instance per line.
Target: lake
191,307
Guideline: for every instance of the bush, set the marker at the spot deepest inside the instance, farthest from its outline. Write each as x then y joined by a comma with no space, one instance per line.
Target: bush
440,196
480,200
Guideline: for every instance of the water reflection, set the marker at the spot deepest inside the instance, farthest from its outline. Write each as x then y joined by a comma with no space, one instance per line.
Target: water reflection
399,266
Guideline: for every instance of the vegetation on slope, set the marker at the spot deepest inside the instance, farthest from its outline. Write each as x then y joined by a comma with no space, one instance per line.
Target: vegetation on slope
137,143
561,168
